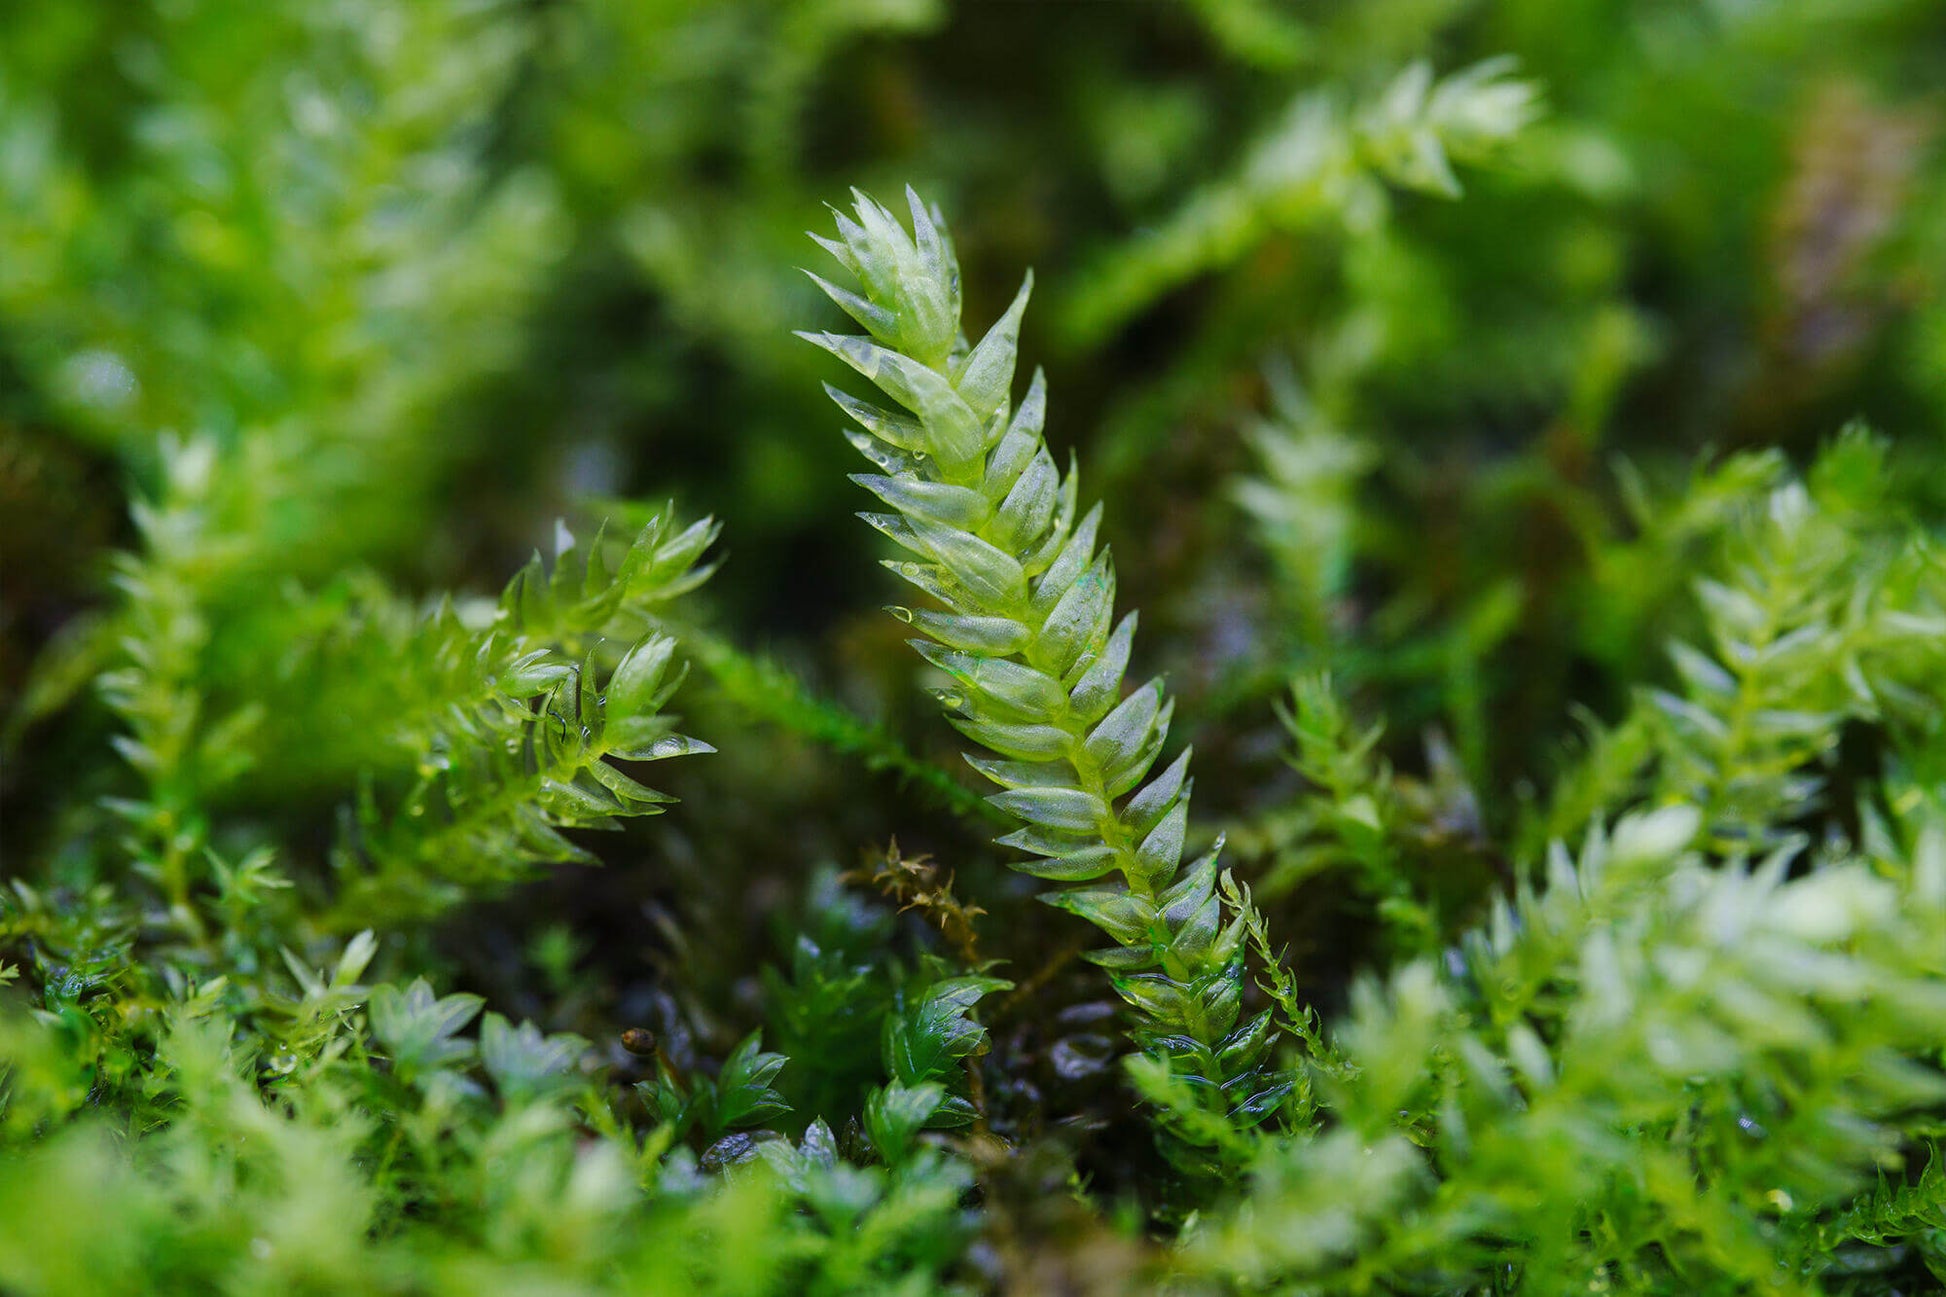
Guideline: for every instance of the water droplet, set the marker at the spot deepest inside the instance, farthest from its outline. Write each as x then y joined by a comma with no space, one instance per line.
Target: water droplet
100,379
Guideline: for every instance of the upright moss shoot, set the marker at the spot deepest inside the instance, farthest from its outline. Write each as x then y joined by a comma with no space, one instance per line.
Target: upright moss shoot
1024,625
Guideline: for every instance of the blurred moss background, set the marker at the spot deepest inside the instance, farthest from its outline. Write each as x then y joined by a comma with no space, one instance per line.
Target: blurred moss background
433,273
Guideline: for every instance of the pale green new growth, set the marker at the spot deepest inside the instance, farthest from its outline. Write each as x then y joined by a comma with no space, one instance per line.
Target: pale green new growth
526,725
1655,1076
1026,631
1322,160
1304,505
1822,612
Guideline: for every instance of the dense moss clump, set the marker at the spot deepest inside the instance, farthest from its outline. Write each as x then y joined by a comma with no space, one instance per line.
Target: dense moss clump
1520,425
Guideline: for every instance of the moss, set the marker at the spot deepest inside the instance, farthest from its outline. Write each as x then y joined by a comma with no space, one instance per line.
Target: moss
1564,905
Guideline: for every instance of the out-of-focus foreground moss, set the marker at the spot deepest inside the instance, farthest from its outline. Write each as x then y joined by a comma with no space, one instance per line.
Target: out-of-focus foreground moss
1521,424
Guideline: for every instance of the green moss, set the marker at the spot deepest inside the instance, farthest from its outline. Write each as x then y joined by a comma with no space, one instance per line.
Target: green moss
1483,442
